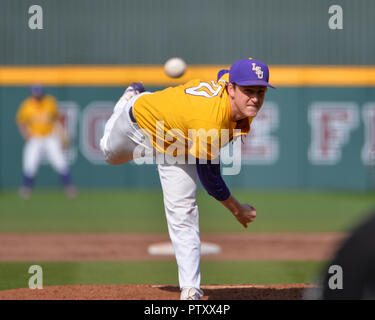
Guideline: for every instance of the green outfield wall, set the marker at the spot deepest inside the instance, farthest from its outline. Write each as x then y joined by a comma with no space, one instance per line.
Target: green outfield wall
305,137
202,32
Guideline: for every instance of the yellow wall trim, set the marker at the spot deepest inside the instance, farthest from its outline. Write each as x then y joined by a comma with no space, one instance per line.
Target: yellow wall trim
153,75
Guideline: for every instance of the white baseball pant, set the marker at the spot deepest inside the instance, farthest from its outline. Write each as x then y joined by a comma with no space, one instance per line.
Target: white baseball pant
179,185
37,147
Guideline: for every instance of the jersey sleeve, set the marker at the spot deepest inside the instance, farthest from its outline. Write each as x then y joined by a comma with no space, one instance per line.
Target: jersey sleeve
211,179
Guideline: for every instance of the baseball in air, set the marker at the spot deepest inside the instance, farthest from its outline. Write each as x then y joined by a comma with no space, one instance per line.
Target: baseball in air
175,67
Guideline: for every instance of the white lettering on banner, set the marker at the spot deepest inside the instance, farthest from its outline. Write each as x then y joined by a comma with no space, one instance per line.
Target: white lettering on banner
368,150
69,112
331,124
94,118
261,147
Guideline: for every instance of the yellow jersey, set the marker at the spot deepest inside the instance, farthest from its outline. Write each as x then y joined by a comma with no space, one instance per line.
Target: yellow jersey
38,115
196,115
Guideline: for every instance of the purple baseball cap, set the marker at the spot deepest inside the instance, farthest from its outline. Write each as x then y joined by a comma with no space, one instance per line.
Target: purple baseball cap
37,90
249,72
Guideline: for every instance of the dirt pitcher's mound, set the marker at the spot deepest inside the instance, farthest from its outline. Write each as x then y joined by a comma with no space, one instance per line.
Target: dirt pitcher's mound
156,292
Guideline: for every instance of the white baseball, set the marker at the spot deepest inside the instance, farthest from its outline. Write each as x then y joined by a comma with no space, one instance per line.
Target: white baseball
175,67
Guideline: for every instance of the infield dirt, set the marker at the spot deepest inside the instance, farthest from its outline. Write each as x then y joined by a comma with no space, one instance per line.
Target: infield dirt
156,292
121,247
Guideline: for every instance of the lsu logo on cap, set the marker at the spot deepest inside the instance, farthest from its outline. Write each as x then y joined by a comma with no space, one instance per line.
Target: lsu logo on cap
258,70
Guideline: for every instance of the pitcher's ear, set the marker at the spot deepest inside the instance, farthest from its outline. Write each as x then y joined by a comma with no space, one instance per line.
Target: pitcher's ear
230,88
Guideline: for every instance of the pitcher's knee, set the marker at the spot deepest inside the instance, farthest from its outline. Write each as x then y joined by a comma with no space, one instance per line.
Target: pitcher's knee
113,157
108,155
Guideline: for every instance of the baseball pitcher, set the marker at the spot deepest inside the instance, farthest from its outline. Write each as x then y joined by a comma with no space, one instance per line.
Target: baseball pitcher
170,122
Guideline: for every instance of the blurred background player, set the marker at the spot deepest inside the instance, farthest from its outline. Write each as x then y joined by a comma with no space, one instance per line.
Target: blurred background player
41,126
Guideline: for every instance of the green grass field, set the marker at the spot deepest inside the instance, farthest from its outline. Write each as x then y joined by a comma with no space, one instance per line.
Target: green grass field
135,211
15,274
127,211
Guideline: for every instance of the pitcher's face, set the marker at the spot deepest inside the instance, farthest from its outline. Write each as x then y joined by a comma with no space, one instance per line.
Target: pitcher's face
245,101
